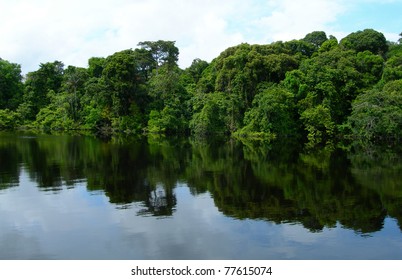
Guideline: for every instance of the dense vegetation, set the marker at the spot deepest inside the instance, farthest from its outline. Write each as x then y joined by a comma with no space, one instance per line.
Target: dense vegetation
315,87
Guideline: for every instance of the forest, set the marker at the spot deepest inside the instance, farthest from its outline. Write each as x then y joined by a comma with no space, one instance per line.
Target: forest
317,88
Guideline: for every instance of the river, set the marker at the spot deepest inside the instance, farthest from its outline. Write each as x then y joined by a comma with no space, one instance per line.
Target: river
79,197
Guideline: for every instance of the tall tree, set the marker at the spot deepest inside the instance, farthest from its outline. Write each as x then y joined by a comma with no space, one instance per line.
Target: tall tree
10,85
96,66
317,38
39,83
161,52
366,40
121,74
73,86
377,114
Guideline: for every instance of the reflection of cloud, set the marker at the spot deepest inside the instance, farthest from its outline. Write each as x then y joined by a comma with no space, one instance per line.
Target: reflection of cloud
76,224
16,245
192,232
50,224
298,233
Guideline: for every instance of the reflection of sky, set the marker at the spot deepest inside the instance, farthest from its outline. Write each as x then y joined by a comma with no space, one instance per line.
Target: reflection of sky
77,224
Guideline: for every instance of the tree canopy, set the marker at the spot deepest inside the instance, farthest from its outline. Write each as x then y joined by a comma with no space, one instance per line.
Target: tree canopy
315,87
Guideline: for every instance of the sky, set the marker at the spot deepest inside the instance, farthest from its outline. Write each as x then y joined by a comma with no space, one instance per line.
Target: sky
72,31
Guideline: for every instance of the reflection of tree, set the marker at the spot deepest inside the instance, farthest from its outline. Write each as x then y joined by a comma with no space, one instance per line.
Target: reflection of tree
9,163
379,169
126,172
276,182
160,203
52,161
282,184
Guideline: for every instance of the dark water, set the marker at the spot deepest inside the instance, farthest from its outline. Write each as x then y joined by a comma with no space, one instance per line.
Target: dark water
76,197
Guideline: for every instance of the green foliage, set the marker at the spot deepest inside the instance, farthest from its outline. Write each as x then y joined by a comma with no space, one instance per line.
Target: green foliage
370,66
133,123
50,119
215,114
164,85
274,89
161,53
393,65
92,117
11,86
122,77
328,45
327,84
96,66
55,116
240,69
273,113
169,101
9,119
377,114
318,124
73,89
169,121
366,40
196,69
49,77
317,38
212,118
301,48
155,126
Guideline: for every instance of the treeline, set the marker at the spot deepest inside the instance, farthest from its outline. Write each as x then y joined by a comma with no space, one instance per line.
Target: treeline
317,87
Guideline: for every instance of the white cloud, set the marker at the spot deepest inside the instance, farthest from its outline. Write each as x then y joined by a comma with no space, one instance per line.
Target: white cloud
294,19
33,32
37,31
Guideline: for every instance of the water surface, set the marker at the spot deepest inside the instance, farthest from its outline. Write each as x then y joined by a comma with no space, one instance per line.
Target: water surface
77,197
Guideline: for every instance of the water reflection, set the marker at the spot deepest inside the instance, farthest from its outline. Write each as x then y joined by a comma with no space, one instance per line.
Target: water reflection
357,188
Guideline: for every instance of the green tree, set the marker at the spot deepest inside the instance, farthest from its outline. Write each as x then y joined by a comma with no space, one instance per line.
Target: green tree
371,66
96,66
55,116
9,119
272,114
393,64
96,105
161,52
332,79
11,87
196,69
318,123
301,48
49,77
74,87
240,69
125,97
317,38
170,120
163,86
377,114
170,99
366,40
122,77
213,117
